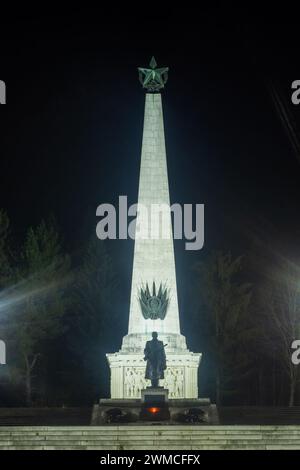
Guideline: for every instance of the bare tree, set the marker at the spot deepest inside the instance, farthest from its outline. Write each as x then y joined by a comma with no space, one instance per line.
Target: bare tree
37,301
227,300
282,303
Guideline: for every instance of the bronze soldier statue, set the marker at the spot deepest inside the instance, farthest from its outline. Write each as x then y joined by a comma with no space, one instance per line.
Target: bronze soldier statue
156,360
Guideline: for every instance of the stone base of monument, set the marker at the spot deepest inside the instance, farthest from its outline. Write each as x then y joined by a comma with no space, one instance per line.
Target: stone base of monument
155,407
154,404
155,395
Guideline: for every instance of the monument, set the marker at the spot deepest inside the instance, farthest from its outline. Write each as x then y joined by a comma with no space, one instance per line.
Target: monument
154,303
154,275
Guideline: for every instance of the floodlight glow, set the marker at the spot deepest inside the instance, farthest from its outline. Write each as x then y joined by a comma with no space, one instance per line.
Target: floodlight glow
2,353
18,294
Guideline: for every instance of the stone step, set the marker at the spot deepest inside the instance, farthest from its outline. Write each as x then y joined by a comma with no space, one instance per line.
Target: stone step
259,415
147,437
150,427
160,447
147,443
157,448
253,415
147,431
126,435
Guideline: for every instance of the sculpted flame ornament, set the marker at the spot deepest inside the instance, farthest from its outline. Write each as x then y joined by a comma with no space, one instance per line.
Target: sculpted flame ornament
154,306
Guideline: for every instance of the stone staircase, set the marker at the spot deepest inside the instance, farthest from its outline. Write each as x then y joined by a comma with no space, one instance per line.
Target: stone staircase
149,437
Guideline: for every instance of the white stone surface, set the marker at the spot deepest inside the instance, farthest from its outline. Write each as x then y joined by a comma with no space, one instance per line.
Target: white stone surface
153,261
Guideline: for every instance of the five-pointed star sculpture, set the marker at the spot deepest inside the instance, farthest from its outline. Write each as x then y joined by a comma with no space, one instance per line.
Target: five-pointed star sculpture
153,79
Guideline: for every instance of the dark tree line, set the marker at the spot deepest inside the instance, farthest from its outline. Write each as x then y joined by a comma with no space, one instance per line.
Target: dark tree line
253,317
56,315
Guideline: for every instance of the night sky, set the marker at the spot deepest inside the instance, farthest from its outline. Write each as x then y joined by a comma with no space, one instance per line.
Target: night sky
72,127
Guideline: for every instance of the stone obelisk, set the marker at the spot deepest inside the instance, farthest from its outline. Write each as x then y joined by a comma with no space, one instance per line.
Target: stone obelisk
154,303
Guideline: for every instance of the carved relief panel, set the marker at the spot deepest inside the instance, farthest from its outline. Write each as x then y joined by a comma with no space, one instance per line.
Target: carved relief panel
134,381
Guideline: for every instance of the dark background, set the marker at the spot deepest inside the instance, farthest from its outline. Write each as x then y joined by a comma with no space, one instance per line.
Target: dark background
72,127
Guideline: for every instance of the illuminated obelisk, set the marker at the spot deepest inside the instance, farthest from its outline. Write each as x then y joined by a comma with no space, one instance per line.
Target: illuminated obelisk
154,303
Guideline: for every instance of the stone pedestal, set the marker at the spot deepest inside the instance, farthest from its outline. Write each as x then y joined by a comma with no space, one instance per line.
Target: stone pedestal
128,368
158,394
194,411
